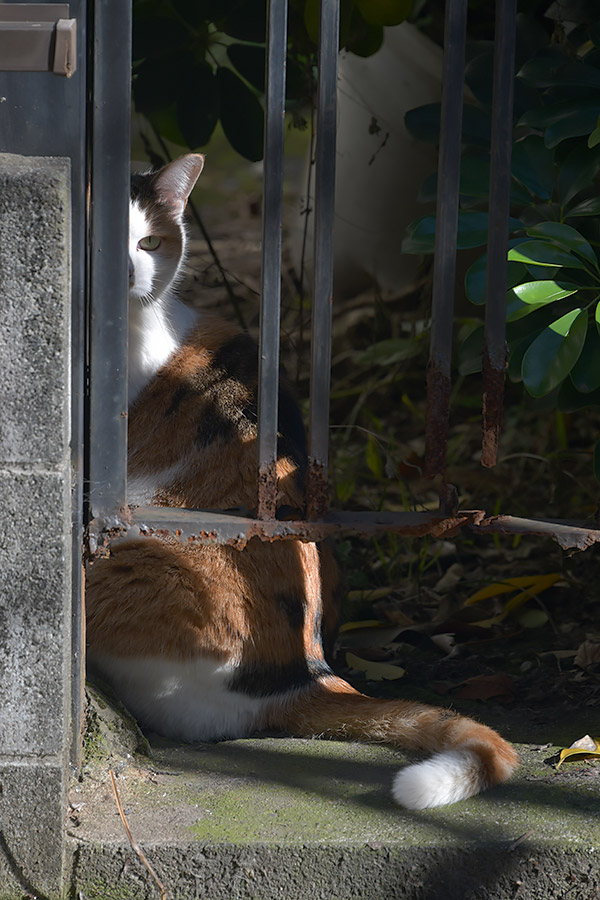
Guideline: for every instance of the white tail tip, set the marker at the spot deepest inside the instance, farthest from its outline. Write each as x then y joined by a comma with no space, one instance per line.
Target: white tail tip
445,778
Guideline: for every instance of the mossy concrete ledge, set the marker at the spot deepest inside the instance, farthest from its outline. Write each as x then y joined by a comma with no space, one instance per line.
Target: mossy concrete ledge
288,818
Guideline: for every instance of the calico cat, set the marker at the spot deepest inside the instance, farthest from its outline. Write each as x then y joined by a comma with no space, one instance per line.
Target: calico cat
206,641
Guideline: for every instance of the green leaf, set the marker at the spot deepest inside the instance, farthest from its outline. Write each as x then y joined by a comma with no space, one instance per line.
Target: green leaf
594,138
524,298
553,67
390,352
579,122
543,116
249,60
566,237
423,123
532,618
374,458
577,172
585,374
242,115
533,165
476,279
384,12
472,232
589,207
197,121
542,253
554,352
363,39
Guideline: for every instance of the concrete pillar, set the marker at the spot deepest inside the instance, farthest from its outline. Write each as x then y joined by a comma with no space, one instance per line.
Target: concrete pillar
35,522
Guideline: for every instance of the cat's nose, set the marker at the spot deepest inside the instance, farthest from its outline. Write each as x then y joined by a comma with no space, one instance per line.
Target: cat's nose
131,269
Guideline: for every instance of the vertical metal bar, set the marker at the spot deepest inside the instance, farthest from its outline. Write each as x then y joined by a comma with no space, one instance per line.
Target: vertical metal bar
438,373
495,353
268,363
318,452
111,86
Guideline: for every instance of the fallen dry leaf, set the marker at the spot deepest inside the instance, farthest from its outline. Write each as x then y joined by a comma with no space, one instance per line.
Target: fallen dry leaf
484,687
374,671
587,654
584,748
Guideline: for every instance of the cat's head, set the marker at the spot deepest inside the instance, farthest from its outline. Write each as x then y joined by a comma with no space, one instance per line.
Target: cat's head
157,235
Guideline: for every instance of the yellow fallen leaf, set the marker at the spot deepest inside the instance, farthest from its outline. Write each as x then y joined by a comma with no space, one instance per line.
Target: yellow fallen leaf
535,584
531,585
368,623
370,593
374,671
585,748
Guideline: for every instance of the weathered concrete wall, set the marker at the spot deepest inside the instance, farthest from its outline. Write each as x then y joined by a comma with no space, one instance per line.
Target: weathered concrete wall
35,521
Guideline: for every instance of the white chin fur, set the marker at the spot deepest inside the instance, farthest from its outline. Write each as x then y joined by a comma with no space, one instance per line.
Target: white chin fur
445,778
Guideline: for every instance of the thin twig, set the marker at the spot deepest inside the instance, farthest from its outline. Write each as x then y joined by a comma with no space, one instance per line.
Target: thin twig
134,844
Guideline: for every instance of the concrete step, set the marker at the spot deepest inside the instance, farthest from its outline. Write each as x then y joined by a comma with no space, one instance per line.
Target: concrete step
285,819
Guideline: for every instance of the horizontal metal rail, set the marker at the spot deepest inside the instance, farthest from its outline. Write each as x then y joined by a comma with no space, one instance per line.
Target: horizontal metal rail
218,527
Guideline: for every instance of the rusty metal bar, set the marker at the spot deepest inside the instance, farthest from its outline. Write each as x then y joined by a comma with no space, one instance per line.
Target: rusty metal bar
318,448
438,373
268,360
211,526
495,353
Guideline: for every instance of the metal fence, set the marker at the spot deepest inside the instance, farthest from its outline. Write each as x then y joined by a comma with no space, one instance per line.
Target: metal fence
109,514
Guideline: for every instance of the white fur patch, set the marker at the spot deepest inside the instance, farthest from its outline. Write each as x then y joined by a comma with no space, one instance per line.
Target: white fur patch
158,321
445,778
186,701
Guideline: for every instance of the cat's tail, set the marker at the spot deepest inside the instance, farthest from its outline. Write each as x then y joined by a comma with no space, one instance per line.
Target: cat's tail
468,757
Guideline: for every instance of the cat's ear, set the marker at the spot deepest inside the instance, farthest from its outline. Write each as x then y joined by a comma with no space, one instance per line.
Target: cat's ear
175,181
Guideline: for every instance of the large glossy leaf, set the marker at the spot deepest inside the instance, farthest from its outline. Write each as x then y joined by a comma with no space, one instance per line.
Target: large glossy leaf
384,12
579,122
476,277
554,352
577,172
585,374
249,60
533,165
197,121
424,124
553,68
543,116
589,207
565,237
543,253
472,232
242,115
524,298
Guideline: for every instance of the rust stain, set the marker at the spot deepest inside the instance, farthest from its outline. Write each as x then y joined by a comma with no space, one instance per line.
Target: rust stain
317,494
493,396
267,490
436,429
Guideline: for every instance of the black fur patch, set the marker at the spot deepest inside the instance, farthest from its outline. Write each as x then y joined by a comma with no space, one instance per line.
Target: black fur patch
214,425
238,358
293,607
264,681
178,397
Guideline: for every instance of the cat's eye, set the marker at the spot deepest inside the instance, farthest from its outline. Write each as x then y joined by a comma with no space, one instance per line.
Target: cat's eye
152,242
